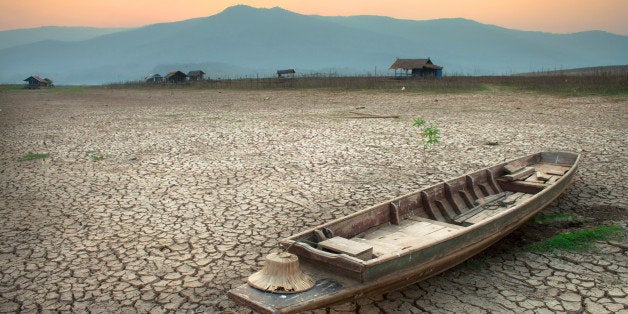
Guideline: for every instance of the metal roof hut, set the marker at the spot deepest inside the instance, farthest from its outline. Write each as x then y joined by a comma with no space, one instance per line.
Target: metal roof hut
287,73
196,75
35,82
176,77
417,68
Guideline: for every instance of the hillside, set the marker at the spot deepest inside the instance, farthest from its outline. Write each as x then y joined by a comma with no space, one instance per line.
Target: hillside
611,70
25,36
244,41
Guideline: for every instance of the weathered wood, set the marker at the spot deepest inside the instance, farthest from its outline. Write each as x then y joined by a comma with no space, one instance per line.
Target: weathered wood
492,182
468,214
319,235
484,189
440,204
480,206
489,199
380,247
413,232
523,173
349,247
466,197
432,212
557,171
471,186
394,214
449,195
552,179
512,198
514,166
533,178
542,176
552,169
522,186
436,222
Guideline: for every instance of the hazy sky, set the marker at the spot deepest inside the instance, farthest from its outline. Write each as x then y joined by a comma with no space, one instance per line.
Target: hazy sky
558,16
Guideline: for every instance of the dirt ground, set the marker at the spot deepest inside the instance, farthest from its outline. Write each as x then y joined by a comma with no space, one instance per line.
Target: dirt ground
163,200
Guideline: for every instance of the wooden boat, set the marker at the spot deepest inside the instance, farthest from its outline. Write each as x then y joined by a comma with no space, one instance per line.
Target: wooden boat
418,235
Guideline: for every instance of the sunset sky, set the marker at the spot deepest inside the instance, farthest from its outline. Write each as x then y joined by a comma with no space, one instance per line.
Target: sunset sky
557,16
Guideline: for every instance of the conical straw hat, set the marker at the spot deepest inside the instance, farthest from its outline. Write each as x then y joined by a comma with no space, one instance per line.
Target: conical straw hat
281,274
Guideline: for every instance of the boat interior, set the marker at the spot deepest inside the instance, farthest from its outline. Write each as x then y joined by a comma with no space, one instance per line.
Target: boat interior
435,213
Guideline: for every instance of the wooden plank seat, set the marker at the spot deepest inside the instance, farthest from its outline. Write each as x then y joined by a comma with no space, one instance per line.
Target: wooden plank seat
341,245
522,186
520,175
532,179
552,169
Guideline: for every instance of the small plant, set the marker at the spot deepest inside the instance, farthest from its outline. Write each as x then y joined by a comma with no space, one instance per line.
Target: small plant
94,155
33,156
419,122
429,134
577,240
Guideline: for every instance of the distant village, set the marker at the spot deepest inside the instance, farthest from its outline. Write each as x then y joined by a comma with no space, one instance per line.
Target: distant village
403,68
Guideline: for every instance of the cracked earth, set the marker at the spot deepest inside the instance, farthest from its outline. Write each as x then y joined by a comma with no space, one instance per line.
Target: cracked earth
163,200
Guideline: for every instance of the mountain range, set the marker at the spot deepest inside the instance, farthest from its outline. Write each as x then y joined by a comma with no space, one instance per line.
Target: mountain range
19,37
243,41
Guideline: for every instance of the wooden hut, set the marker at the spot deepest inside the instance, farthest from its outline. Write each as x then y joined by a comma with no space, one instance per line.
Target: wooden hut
196,75
35,82
286,73
416,68
176,77
154,78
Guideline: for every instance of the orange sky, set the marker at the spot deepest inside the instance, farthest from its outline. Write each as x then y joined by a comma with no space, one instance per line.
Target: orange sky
558,16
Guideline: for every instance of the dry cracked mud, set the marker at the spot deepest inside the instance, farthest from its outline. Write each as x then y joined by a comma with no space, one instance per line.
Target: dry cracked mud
163,200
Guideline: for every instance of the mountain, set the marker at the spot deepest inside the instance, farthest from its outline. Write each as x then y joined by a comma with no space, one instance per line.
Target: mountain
17,37
245,41
469,47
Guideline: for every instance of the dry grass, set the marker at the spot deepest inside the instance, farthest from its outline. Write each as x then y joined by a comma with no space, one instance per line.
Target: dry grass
564,85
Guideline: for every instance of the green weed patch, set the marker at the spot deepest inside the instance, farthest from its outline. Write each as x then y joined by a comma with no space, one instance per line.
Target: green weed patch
33,156
543,219
578,240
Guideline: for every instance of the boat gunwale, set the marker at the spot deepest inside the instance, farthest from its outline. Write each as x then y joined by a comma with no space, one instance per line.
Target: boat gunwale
291,241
